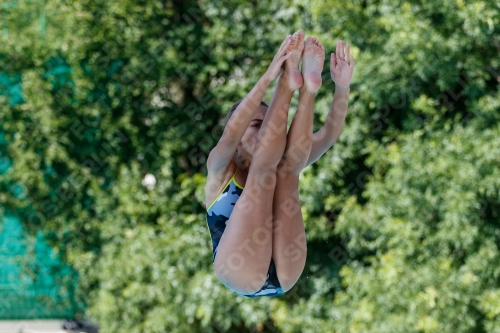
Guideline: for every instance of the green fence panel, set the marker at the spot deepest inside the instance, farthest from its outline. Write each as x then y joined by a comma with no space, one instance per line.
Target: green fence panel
34,282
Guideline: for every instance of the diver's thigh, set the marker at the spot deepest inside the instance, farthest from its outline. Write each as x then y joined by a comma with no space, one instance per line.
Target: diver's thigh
289,237
245,248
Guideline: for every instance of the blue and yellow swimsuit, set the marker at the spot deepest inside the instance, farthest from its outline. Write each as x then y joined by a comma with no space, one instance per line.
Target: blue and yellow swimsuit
217,216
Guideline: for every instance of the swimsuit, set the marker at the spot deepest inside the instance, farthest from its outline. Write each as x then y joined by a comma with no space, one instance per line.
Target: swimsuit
217,216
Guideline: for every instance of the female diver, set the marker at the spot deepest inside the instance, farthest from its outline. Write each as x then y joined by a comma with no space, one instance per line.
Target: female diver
253,207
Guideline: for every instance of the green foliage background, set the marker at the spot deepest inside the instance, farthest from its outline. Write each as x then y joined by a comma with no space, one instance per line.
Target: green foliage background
402,214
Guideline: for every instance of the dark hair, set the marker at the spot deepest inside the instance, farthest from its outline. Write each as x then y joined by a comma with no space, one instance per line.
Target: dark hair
235,105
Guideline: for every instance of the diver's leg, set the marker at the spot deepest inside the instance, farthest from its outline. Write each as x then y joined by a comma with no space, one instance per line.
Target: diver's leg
245,248
289,238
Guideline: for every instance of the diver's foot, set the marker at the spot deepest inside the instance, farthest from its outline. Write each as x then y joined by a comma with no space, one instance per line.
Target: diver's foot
292,75
312,64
